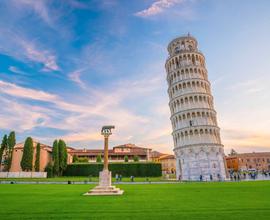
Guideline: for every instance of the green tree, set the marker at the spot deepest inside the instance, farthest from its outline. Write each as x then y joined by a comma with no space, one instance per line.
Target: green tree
49,170
136,158
37,161
126,158
75,159
55,156
11,144
62,156
99,159
4,146
27,157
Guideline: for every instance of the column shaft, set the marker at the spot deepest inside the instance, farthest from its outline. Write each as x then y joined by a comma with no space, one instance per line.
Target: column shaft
106,153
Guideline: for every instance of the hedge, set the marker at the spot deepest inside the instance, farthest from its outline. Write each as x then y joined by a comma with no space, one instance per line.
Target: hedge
125,169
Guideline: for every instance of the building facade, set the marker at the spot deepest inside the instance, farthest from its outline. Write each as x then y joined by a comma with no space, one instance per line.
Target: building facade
45,156
197,145
249,162
168,164
117,154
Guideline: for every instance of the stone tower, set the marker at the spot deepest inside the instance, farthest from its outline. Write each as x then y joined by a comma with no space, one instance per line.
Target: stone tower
197,145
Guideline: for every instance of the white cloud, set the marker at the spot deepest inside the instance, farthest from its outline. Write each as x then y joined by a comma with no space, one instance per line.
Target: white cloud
14,69
41,56
27,50
38,6
83,119
158,7
75,76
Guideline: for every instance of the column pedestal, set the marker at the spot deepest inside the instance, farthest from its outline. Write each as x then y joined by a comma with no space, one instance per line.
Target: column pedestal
105,187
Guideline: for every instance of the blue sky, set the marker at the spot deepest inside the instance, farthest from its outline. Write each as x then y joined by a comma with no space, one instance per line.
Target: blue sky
67,67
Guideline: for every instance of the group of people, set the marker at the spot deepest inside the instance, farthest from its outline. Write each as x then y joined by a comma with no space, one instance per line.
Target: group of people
118,178
245,175
211,177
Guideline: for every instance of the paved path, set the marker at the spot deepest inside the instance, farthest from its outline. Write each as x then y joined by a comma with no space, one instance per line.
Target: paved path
82,182
114,183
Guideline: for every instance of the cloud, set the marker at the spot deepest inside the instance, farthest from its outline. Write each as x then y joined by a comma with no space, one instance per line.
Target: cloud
243,139
39,7
14,90
80,121
41,56
77,4
75,76
158,7
27,50
14,69
20,117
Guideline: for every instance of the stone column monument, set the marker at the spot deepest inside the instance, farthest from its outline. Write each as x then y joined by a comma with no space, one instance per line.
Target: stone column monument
105,176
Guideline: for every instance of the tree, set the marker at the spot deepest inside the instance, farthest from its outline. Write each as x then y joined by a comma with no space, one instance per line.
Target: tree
37,161
136,158
75,159
27,157
49,169
99,159
3,147
233,152
126,158
55,156
62,156
11,143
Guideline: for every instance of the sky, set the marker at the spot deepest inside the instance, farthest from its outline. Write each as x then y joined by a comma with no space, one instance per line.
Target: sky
68,67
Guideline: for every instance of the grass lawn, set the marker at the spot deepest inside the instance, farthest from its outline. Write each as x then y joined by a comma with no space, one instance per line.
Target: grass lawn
244,200
82,179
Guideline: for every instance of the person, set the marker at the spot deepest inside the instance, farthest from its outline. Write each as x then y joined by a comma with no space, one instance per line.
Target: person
132,178
120,177
201,178
179,177
116,177
218,176
211,177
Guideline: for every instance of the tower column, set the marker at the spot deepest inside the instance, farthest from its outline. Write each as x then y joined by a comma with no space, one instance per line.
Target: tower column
106,152
197,144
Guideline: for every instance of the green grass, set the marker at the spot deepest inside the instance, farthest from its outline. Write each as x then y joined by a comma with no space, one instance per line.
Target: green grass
82,179
244,200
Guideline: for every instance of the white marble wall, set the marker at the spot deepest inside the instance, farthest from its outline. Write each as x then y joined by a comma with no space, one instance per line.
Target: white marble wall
196,135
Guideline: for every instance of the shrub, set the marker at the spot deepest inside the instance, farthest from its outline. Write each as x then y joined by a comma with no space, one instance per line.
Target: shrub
136,158
82,160
75,159
125,169
49,170
99,159
126,158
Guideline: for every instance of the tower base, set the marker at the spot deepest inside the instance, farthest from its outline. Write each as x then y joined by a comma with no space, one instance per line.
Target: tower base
104,188
200,163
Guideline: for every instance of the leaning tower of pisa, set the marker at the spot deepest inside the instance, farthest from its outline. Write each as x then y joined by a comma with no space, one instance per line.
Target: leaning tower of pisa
197,145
